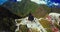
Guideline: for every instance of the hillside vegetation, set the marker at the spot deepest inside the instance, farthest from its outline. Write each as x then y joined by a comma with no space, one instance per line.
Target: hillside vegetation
22,8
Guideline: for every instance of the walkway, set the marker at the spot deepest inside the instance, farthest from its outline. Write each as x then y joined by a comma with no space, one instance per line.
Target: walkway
32,24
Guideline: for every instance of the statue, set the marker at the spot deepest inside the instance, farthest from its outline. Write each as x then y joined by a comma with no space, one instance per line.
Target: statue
30,17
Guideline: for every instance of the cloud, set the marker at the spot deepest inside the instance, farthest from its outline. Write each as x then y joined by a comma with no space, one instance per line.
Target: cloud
39,1
56,4
42,2
36,1
18,0
46,2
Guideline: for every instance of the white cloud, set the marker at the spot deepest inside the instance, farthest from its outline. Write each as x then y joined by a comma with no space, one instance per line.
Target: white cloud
46,2
39,1
43,2
36,1
56,3
18,0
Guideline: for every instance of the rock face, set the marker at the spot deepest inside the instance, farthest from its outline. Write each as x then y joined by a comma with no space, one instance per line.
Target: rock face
55,17
7,20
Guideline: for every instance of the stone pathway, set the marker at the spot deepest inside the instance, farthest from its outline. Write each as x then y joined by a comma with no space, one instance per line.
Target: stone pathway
32,24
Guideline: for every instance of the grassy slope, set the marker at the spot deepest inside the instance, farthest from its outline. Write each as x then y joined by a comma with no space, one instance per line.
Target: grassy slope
19,9
41,11
46,25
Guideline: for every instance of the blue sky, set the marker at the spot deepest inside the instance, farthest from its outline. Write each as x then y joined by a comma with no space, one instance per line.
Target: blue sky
2,1
46,2
56,1
50,3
